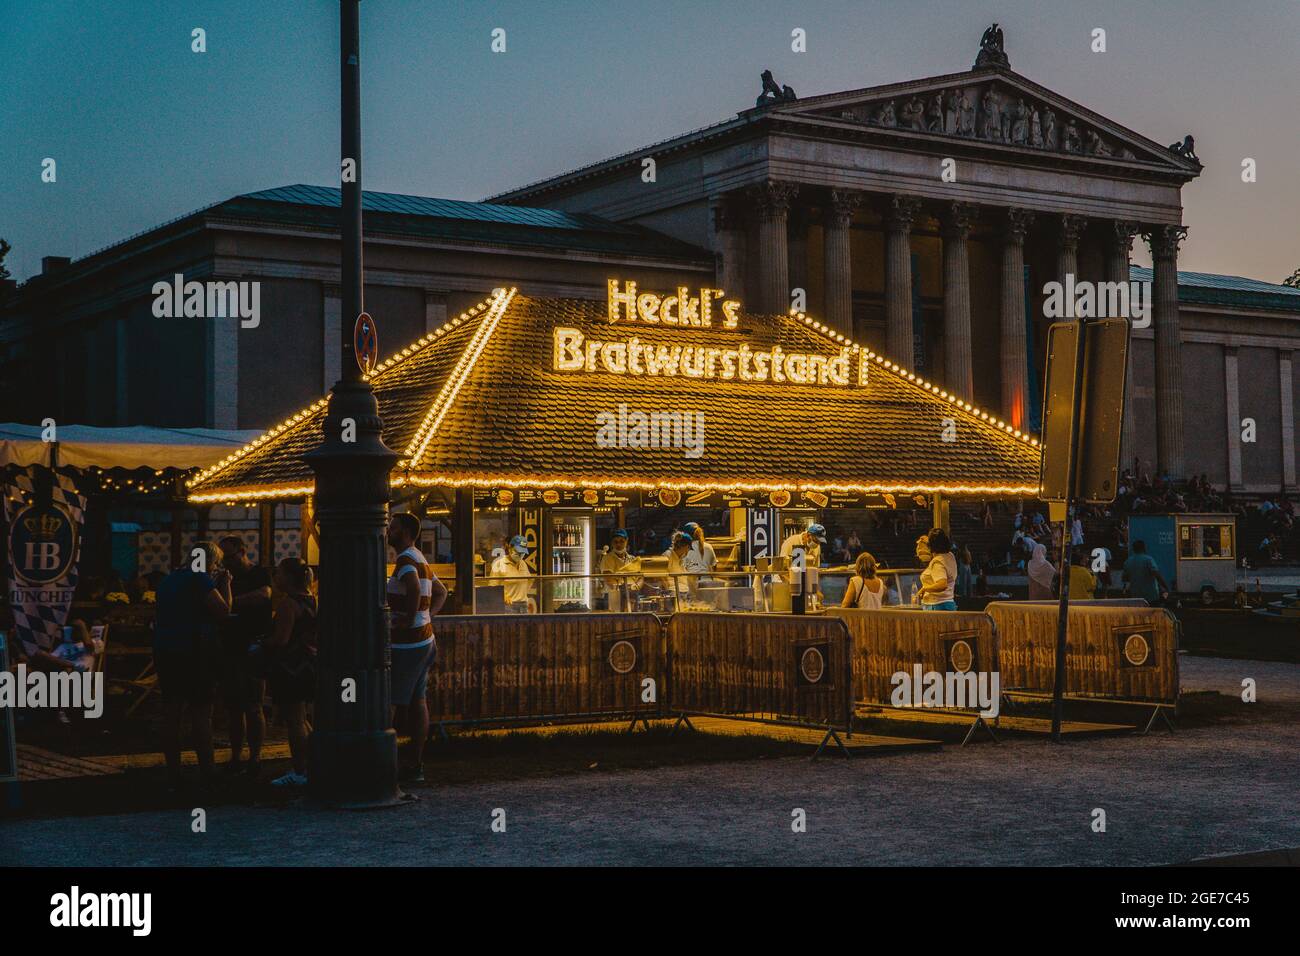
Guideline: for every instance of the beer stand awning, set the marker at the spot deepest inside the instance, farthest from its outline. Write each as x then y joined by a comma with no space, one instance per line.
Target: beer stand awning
87,446
522,392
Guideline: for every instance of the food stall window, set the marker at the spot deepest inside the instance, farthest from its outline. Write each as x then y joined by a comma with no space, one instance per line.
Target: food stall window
1206,541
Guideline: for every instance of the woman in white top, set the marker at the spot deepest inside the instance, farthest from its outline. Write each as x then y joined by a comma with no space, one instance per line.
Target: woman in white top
865,590
940,576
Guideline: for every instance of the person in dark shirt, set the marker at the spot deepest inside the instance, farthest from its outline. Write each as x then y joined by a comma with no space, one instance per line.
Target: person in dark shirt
243,685
291,648
186,653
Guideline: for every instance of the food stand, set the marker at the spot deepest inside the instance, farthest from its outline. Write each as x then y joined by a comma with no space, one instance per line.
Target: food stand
1195,552
560,419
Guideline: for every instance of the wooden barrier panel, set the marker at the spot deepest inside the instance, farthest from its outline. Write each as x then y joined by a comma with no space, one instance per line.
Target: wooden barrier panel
782,668
545,666
886,642
1117,653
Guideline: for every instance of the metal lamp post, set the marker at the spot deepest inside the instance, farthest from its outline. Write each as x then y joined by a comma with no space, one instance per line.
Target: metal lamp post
353,747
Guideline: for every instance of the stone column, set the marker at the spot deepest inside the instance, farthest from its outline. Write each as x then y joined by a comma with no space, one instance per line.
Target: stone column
1117,270
435,308
332,327
898,279
1232,407
957,368
1164,242
797,241
729,246
837,256
1067,252
1288,420
221,355
773,201
1015,355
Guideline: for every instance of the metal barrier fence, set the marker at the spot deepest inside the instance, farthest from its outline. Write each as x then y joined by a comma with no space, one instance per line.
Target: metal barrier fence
1112,653
547,667
770,668
959,646
886,643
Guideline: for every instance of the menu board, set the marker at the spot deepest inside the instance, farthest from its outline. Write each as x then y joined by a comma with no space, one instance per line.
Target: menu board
677,498
554,497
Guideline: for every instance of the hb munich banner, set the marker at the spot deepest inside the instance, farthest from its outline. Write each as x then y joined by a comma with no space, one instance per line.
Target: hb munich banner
44,512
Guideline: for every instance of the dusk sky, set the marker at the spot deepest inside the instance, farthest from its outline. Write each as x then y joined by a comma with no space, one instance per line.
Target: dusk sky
144,130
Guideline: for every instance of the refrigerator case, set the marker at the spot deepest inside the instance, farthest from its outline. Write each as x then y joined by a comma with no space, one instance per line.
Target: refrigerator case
570,540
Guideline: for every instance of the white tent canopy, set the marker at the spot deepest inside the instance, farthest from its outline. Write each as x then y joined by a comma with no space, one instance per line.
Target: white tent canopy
140,446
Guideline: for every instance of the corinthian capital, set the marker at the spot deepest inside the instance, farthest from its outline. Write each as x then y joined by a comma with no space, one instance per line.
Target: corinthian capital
1164,240
901,212
839,211
773,198
1071,228
958,218
1124,233
1018,223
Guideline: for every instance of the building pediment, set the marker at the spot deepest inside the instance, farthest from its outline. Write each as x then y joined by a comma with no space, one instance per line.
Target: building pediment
991,107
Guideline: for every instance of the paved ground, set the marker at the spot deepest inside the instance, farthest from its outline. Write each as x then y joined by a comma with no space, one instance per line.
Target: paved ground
1226,789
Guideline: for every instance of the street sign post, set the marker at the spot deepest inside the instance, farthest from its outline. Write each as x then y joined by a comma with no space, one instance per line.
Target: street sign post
365,342
1083,411
1101,409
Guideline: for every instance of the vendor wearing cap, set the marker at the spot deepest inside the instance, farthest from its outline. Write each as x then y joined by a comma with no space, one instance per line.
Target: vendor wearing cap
676,556
511,570
615,560
810,540
700,559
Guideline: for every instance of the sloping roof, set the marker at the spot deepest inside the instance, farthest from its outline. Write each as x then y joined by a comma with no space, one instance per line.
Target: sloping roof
428,217
1204,288
135,446
457,220
479,403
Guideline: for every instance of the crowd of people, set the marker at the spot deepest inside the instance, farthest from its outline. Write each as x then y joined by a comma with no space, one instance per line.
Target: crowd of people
227,628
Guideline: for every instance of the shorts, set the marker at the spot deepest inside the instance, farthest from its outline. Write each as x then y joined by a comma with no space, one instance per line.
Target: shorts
241,687
409,674
188,674
292,686
941,606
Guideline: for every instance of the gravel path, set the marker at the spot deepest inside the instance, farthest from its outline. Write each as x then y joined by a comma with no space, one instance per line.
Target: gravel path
1168,798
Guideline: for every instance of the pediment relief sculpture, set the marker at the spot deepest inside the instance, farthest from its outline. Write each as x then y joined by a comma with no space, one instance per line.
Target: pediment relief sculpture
991,112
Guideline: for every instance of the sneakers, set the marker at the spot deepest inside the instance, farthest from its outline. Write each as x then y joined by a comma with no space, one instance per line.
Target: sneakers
290,780
411,775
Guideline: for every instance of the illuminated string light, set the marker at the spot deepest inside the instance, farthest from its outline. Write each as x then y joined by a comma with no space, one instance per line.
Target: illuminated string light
320,403
496,307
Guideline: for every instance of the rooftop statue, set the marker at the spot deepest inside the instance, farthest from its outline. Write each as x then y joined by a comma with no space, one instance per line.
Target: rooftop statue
1186,149
771,92
991,51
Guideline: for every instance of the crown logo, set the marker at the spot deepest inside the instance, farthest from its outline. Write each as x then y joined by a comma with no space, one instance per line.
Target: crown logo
44,527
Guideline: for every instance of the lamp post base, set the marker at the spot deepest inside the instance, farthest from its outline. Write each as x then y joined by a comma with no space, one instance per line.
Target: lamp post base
357,770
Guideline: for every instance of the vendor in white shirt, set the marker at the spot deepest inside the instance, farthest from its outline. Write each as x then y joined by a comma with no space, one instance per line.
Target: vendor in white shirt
810,540
701,558
676,556
618,558
512,571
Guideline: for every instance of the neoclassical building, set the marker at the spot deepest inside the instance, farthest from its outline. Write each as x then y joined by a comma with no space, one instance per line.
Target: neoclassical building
924,218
